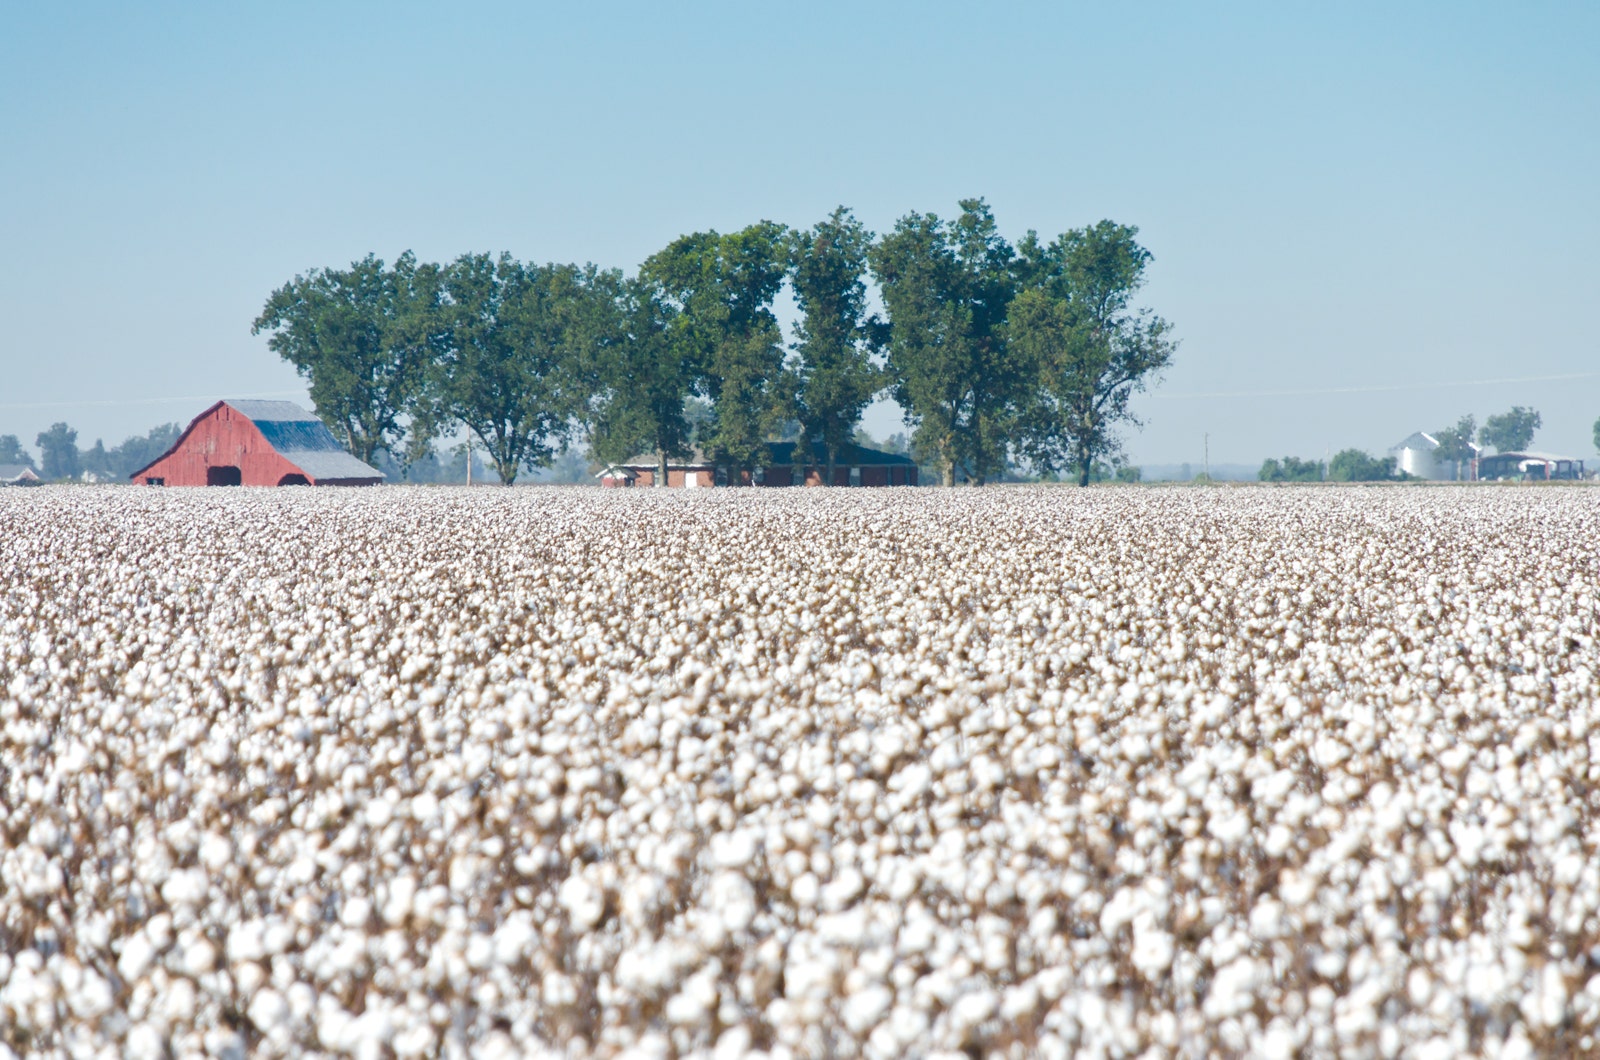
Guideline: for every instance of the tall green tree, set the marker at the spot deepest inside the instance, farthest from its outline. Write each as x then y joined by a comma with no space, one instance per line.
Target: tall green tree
1076,327
947,287
721,289
1455,443
1597,434
58,449
836,376
1354,465
1511,431
1290,469
361,338
514,336
639,381
12,452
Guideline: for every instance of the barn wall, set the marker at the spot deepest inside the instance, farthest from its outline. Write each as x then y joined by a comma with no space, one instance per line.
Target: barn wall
222,438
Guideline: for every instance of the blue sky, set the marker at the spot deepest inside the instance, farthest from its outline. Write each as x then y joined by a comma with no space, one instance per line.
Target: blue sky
1337,196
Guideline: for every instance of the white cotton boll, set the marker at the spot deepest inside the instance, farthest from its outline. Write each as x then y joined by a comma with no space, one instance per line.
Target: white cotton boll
1233,988
379,812
92,997
1266,919
557,990
199,957
216,851
1229,828
514,939
137,954
732,898
584,902
973,1008
402,890
733,1044
1546,1005
1278,1043
735,850
1153,948
145,1042
863,1009
805,891
479,951
269,1011
355,913
692,1006
417,1040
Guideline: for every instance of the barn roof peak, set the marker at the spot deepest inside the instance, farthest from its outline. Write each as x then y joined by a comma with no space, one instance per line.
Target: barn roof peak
271,411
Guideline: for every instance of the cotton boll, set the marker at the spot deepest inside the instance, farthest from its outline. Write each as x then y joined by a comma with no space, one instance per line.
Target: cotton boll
583,901
1019,742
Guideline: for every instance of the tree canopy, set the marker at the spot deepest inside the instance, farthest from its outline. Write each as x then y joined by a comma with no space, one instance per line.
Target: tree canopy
58,450
836,376
1353,465
359,337
1510,431
1075,326
512,340
947,287
1291,469
993,355
721,288
12,452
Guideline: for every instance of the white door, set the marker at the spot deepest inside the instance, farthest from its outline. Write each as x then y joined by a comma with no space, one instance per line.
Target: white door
691,480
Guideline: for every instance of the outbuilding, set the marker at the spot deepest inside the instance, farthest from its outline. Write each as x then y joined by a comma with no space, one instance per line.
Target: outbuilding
854,465
1419,456
257,443
17,475
1529,465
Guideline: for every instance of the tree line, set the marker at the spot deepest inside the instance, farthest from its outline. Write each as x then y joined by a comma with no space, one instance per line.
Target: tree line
994,351
62,460
1510,431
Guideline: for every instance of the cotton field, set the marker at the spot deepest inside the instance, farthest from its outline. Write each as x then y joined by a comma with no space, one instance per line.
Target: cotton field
1003,772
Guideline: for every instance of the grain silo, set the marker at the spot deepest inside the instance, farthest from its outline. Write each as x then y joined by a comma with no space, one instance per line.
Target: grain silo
1415,456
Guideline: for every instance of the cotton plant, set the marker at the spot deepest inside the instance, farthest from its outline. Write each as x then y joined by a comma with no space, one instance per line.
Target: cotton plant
1002,772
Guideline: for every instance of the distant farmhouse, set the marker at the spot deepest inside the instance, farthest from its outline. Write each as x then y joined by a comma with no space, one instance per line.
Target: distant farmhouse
854,465
17,475
1417,456
257,443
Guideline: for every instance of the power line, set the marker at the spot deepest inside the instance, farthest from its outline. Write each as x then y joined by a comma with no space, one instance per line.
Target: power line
1376,389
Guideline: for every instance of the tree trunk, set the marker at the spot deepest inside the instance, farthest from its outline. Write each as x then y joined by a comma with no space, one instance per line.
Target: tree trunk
661,470
949,473
833,460
1085,461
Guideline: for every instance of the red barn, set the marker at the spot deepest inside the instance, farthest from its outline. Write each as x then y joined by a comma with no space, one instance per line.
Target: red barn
257,443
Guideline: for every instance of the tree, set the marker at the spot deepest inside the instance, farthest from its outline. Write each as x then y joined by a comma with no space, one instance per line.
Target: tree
1455,443
513,339
11,451
1291,469
640,382
1511,431
1353,465
836,376
59,449
1092,352
1597,434
947,288
720,289
362,337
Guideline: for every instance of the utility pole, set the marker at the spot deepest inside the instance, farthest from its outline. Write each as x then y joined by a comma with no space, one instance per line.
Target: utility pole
469,458
1208,456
